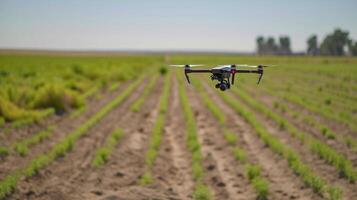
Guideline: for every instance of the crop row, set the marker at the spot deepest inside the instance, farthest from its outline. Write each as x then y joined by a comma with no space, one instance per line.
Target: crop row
136,106
22,147
324,151
8,184
324,130
201,191
313,181
327,132
327,113
318,98
157,131
253,172
32,84
102,154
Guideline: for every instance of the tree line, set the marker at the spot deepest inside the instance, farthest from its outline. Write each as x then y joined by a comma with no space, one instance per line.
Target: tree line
337,43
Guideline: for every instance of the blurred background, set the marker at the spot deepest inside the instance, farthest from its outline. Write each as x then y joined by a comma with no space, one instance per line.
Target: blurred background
247,27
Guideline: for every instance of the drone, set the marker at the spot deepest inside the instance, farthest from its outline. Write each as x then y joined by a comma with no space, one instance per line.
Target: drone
222,73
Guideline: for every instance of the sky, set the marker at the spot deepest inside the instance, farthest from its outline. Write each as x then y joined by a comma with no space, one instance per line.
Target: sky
225,25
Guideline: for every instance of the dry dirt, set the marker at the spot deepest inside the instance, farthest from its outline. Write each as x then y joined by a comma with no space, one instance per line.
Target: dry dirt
74,177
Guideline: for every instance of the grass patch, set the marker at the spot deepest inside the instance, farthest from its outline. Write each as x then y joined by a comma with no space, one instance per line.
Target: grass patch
57,97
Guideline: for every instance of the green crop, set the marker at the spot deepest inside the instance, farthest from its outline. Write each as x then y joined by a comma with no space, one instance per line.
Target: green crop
158,129
325,152
102,154
67,144
140,101
22,147
201,191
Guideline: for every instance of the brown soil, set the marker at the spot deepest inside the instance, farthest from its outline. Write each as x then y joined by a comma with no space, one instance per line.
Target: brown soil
63,126
283,183
319,166
338,144
172,169
74,176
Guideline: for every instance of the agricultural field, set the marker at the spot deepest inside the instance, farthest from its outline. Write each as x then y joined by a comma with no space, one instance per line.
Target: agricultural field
130,127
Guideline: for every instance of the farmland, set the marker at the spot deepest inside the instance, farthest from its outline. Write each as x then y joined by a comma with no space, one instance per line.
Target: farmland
128,127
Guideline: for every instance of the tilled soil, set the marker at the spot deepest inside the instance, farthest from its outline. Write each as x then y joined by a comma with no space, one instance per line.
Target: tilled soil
283,183
74,177
319,166
63,126
338,144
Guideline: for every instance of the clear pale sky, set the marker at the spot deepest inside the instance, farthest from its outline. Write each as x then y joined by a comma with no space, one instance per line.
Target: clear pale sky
225,25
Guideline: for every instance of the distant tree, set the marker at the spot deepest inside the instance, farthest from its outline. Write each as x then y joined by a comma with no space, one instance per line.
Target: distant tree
260,45
334,44
272,48
284,48
312,46
352,48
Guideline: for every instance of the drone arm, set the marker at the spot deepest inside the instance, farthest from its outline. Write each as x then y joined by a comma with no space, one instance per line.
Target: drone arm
198,71
188,70
258,71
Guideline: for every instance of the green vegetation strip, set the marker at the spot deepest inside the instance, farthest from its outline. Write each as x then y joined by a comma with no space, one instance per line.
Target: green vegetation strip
324,130
317,184
327,113
253,172
324,151
8,184
22,147
136,106
201,191
102,154
327,132
158,129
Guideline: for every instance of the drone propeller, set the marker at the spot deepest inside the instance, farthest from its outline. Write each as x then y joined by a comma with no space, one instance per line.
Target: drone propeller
236,65
257,66
196,65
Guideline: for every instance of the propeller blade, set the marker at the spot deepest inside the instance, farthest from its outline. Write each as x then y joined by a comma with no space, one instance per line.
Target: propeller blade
195,65
237,65
256,66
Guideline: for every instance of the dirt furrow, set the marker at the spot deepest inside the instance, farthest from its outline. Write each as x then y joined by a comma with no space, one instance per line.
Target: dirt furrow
283,184
172,167
338,143
319,166
225,174
60,178
63,127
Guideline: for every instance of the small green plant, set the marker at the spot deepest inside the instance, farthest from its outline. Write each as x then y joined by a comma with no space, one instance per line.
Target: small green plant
230,137
252,171
334,193
261,186
239,154
146,179
202,192
4,151
102,154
